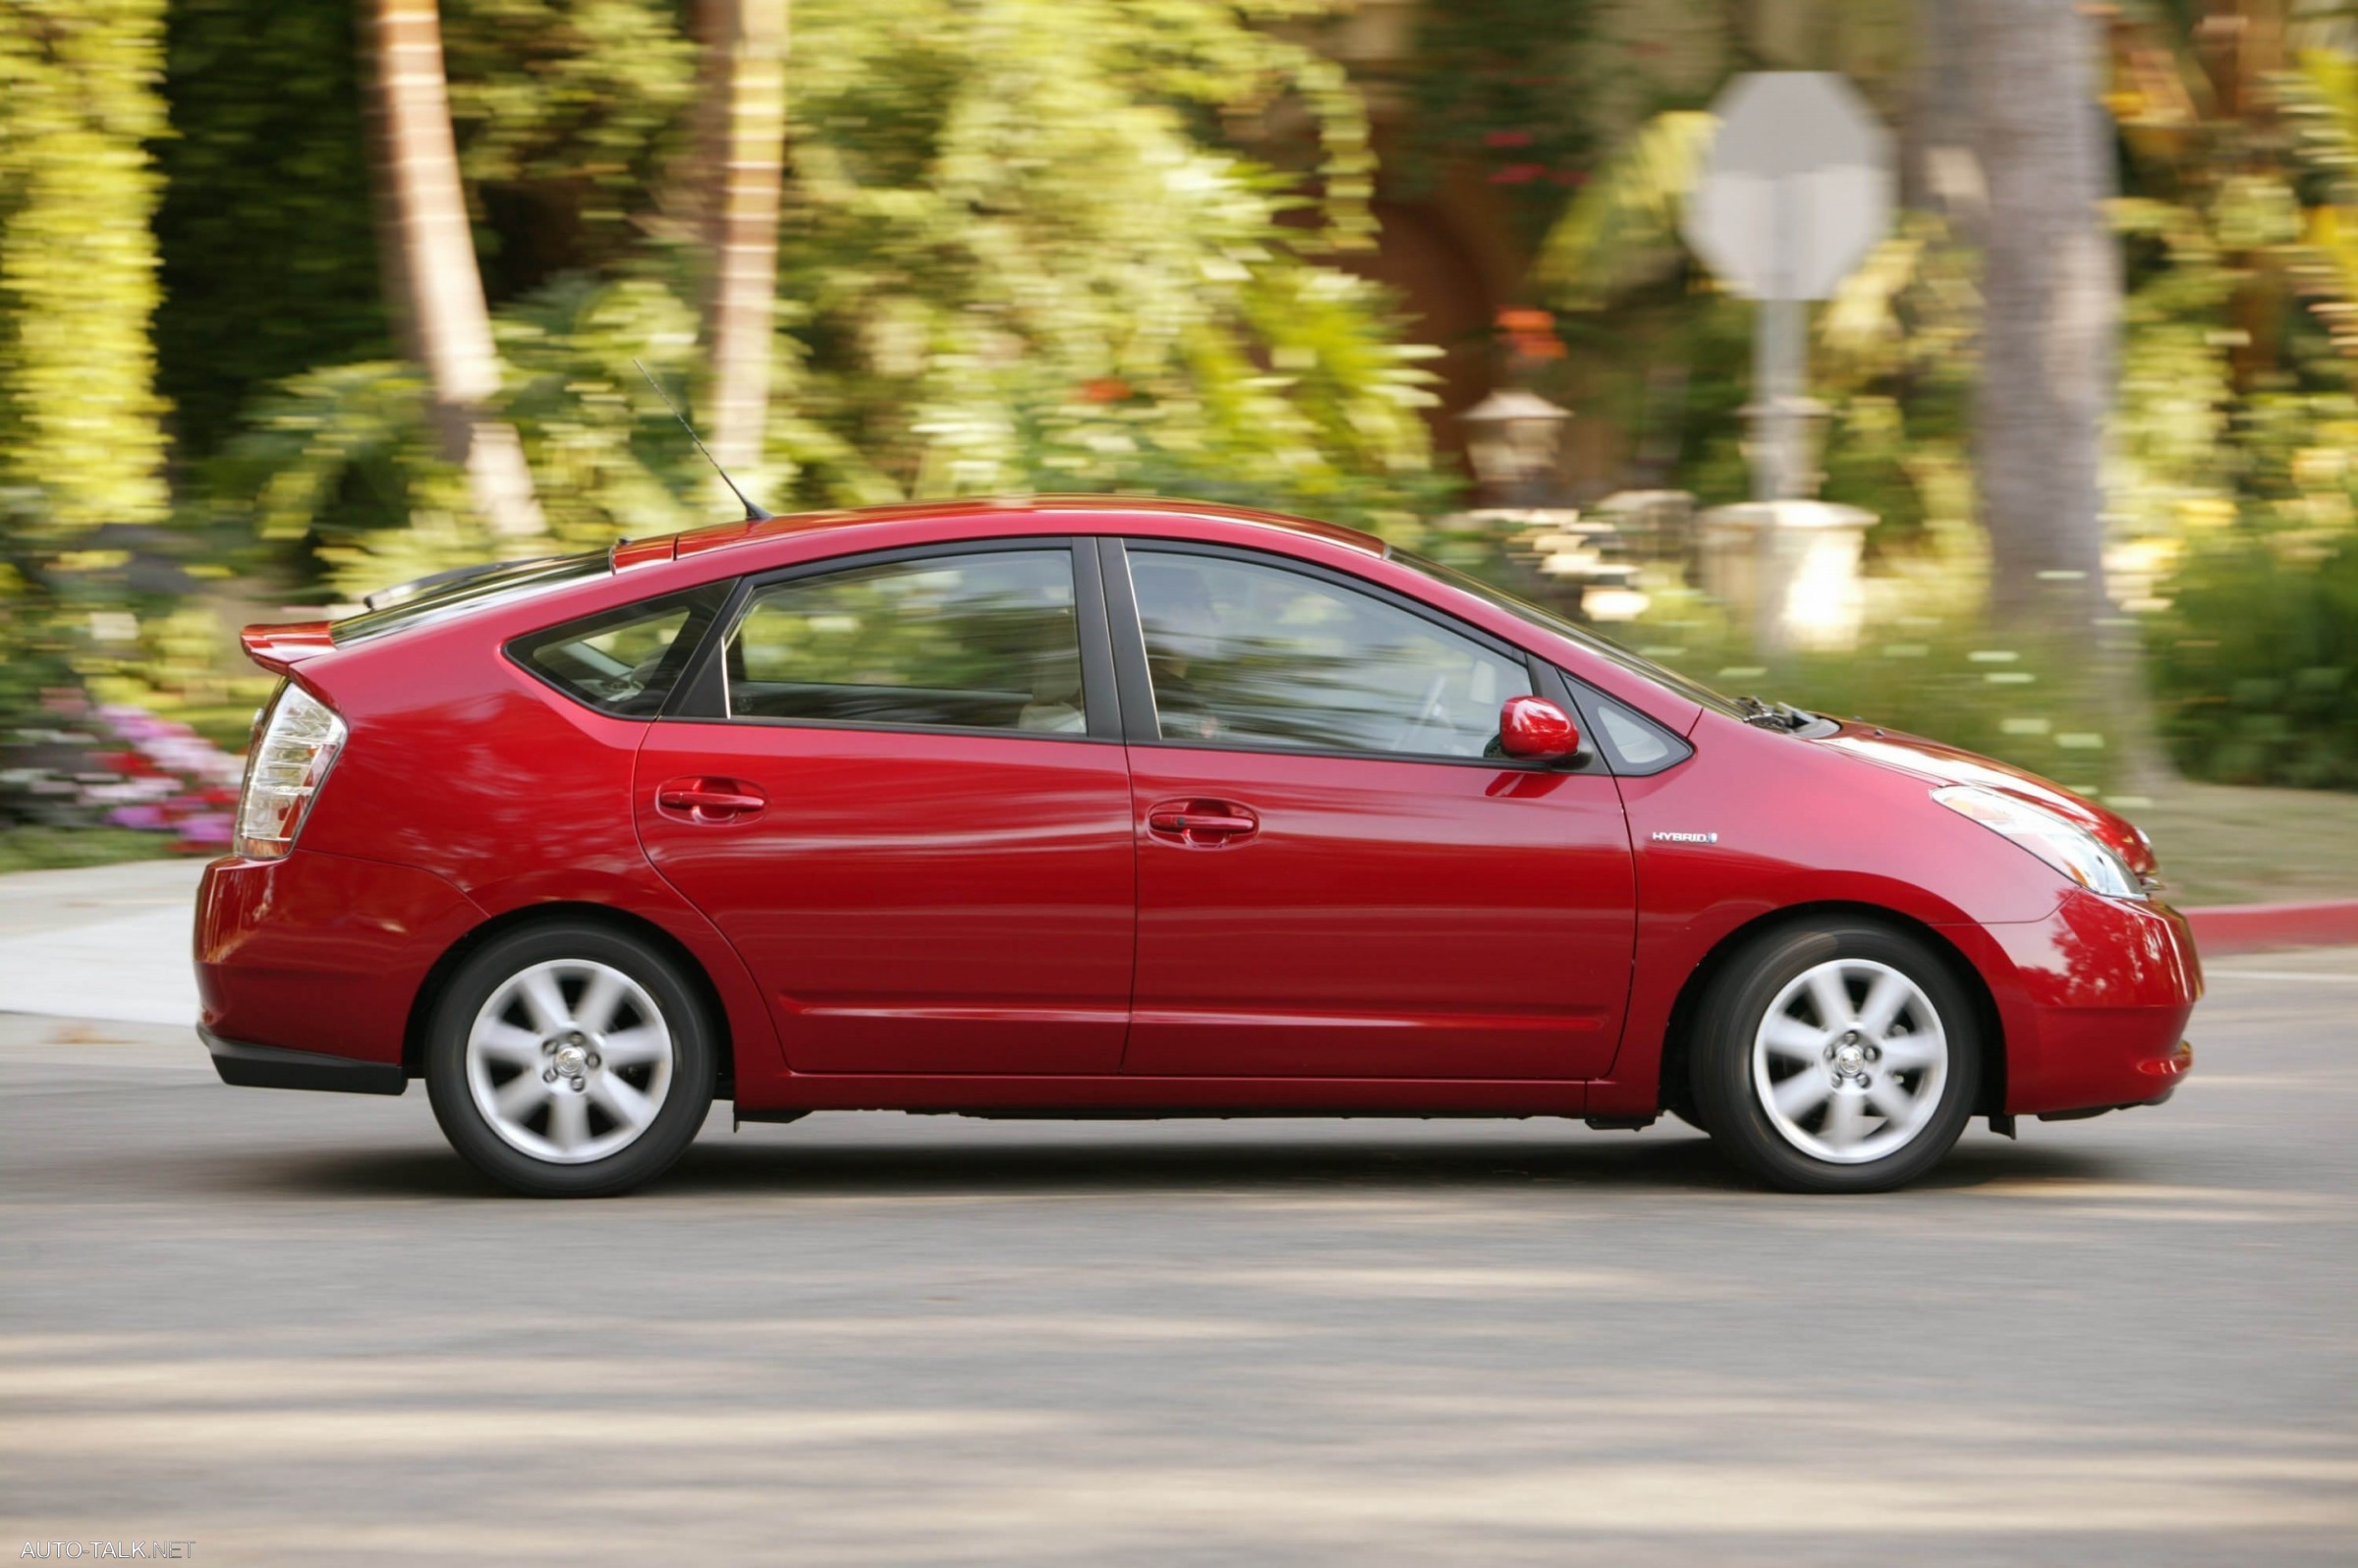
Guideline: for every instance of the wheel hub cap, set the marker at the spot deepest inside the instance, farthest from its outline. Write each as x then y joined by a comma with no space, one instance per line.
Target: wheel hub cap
1850,1061
569,1061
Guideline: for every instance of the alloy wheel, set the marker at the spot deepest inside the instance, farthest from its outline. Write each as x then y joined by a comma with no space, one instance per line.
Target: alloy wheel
569,1061
1849,1061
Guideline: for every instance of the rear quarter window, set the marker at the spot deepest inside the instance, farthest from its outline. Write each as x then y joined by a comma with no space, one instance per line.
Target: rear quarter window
624,662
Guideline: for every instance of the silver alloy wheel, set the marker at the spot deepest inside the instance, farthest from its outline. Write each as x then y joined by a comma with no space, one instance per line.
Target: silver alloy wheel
569,1061
1849,1061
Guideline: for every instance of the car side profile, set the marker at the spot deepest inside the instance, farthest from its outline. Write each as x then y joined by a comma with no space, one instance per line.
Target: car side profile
1098,806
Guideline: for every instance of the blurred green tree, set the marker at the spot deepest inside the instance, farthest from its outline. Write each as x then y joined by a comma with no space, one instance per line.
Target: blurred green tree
80,417
1027,246
82,442
269,259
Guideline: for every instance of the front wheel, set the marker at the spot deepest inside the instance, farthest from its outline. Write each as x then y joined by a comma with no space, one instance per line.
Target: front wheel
1836,1057
569,1061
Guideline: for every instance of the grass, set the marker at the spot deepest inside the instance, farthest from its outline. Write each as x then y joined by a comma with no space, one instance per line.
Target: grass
48,849
2229,844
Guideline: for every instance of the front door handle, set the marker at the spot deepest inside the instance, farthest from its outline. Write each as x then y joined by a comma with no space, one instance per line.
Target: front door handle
1203,823
710,800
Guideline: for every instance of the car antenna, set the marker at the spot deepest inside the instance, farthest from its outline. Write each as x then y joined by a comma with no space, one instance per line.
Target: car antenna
753,513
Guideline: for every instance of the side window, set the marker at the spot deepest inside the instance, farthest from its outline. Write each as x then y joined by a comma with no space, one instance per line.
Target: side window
1247,654
624,662
1634,744
987,640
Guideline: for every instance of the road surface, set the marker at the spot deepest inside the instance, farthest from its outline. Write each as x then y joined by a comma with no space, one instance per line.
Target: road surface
292,1328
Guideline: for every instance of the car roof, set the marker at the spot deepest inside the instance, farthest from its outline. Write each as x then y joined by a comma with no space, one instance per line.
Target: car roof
1112,508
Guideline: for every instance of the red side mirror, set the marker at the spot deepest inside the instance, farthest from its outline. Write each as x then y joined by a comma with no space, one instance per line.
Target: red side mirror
1537,730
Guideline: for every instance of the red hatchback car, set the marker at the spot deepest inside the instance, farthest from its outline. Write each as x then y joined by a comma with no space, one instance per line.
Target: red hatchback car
1105,806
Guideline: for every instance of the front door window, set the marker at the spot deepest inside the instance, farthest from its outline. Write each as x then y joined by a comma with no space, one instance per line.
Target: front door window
1246,655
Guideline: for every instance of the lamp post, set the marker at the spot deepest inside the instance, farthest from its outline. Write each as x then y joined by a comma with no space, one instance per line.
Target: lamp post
1511,439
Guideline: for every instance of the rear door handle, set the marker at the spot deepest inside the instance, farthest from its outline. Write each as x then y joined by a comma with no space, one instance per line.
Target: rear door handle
1203,823
710,800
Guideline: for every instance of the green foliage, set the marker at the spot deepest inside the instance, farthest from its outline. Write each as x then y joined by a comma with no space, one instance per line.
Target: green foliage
1621,231
568,114
339,466
82,443
269,261
79,413
2256,661
48,849
1014,263
1488,85
1936,675
1012,259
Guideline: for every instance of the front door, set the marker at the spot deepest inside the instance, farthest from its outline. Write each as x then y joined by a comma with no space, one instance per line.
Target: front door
1336,874
902,820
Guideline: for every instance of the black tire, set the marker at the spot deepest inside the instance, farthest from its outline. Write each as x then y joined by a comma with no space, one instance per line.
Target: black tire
685,1062
1733,1102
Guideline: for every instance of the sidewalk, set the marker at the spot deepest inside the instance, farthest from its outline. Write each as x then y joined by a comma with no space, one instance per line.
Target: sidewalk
105,942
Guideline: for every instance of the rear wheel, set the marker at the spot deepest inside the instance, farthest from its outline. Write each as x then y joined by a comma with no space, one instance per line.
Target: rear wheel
1836,1057
569,1061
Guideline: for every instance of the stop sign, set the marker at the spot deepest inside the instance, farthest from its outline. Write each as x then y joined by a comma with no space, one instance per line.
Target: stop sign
1797,187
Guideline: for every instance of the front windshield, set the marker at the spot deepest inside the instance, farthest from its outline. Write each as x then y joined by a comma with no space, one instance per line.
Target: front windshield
1603,647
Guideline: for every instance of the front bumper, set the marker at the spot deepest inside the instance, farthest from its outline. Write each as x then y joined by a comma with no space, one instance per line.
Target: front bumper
2094,1000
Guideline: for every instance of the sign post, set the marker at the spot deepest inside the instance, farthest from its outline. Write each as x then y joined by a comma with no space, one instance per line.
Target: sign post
1795,191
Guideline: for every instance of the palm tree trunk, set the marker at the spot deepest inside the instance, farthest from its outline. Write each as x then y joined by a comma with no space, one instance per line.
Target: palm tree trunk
744,136
435,289
2051,325
2052,310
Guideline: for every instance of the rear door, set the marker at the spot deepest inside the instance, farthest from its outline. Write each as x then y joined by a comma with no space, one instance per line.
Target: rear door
903,797
1338,874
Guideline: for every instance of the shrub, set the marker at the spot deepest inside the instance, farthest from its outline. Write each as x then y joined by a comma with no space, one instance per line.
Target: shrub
2255,662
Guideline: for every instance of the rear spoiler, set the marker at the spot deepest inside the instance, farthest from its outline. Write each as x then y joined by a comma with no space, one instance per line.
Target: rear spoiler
279,648
453,577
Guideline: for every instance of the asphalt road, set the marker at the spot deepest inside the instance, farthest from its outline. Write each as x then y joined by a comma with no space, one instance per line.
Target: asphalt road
292,1328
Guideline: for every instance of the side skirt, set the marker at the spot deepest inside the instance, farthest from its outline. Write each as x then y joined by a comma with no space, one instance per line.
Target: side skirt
1140,1096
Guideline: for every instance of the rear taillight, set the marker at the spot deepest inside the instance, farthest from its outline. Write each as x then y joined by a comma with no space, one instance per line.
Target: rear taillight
297,744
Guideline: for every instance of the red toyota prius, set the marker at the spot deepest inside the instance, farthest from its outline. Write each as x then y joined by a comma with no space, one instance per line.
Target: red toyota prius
1097,806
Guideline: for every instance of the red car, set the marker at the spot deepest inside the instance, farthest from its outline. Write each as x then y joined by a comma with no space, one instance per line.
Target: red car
1105,807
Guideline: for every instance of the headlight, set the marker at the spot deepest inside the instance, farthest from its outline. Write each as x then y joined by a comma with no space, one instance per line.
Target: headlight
290,757
2066,846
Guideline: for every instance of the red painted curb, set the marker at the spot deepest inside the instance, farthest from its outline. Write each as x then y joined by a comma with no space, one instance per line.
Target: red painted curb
2255,927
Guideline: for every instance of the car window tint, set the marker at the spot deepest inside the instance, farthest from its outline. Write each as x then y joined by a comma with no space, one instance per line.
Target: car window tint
624,662
987,641
1246,655
1635,742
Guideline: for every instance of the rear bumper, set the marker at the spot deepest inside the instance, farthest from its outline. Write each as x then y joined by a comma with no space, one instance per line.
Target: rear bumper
272,1067
320,954
2094,1001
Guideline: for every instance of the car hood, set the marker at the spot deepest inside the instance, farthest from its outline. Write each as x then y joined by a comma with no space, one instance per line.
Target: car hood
1949,764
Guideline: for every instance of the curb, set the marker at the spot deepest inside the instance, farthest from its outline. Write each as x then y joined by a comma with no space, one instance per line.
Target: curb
2257,928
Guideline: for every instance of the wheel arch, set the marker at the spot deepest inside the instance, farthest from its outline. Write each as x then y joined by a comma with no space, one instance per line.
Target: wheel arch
699,980
1678,1035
